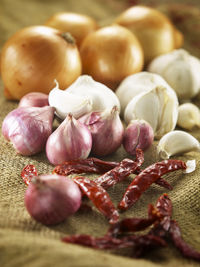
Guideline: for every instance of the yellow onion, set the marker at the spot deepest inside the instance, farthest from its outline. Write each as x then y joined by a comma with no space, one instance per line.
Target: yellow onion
34,57
110,54
154,30
77,24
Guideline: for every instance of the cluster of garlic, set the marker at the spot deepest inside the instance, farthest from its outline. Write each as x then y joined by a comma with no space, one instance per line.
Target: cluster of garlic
180,70
147,96
81,97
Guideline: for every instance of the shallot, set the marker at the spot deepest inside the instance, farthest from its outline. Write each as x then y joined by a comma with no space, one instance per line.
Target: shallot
34,99
28,128
107,130
50,199
138,134
71,140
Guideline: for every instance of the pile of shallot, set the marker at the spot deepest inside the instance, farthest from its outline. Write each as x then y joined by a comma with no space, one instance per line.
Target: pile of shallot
91,124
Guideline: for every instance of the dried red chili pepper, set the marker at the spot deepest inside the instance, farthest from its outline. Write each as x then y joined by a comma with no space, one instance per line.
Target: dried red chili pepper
145,243
134,224
108,242
89,165
94,165
120,172
99,197
144,179
164,183
164,208
180,244
164,205
28,173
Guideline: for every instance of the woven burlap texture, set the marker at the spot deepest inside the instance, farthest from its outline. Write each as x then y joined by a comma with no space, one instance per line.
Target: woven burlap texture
23,241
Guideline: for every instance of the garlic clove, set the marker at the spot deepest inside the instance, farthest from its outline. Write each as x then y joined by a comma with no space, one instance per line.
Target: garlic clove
28,128
180,70
65,103
71,140
177,143
34,99
136,84
159,107
188,116
138,134
107,130
102,97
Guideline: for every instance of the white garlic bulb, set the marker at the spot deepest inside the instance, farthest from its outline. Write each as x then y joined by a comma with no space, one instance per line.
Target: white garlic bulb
188,116
102,96
180,70
66,103
136,84
176,143
157,104
81,97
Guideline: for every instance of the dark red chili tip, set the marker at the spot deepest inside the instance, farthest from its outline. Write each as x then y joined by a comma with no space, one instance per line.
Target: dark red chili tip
186,250
144,179
99,197
28,173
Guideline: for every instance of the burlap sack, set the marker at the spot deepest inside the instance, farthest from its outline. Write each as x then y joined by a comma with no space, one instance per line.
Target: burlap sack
23,241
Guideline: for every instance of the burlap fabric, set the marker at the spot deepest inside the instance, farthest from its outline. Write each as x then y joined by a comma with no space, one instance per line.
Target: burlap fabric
23,241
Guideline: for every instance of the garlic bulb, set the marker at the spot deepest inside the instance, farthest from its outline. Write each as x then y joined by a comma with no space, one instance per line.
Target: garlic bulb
65,103
71,140
136,84
181,70
102,97
159,107
81,97
176,143
28,128
188,116
107,130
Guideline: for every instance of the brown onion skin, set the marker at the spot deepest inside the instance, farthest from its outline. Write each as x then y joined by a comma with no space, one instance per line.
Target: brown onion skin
34,57
110,54
50,201
154,30
78,25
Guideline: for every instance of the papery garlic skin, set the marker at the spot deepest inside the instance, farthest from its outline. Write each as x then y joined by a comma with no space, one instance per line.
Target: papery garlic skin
102,96
191,166
188,116
107,130
138,134
159,107
71,140
177,143
136,84
65,103
181,70
28,128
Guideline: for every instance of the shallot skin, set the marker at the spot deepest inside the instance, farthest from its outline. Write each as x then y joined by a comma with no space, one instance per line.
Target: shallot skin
70,141
34,99
28,128
50,199
138,134
107,131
